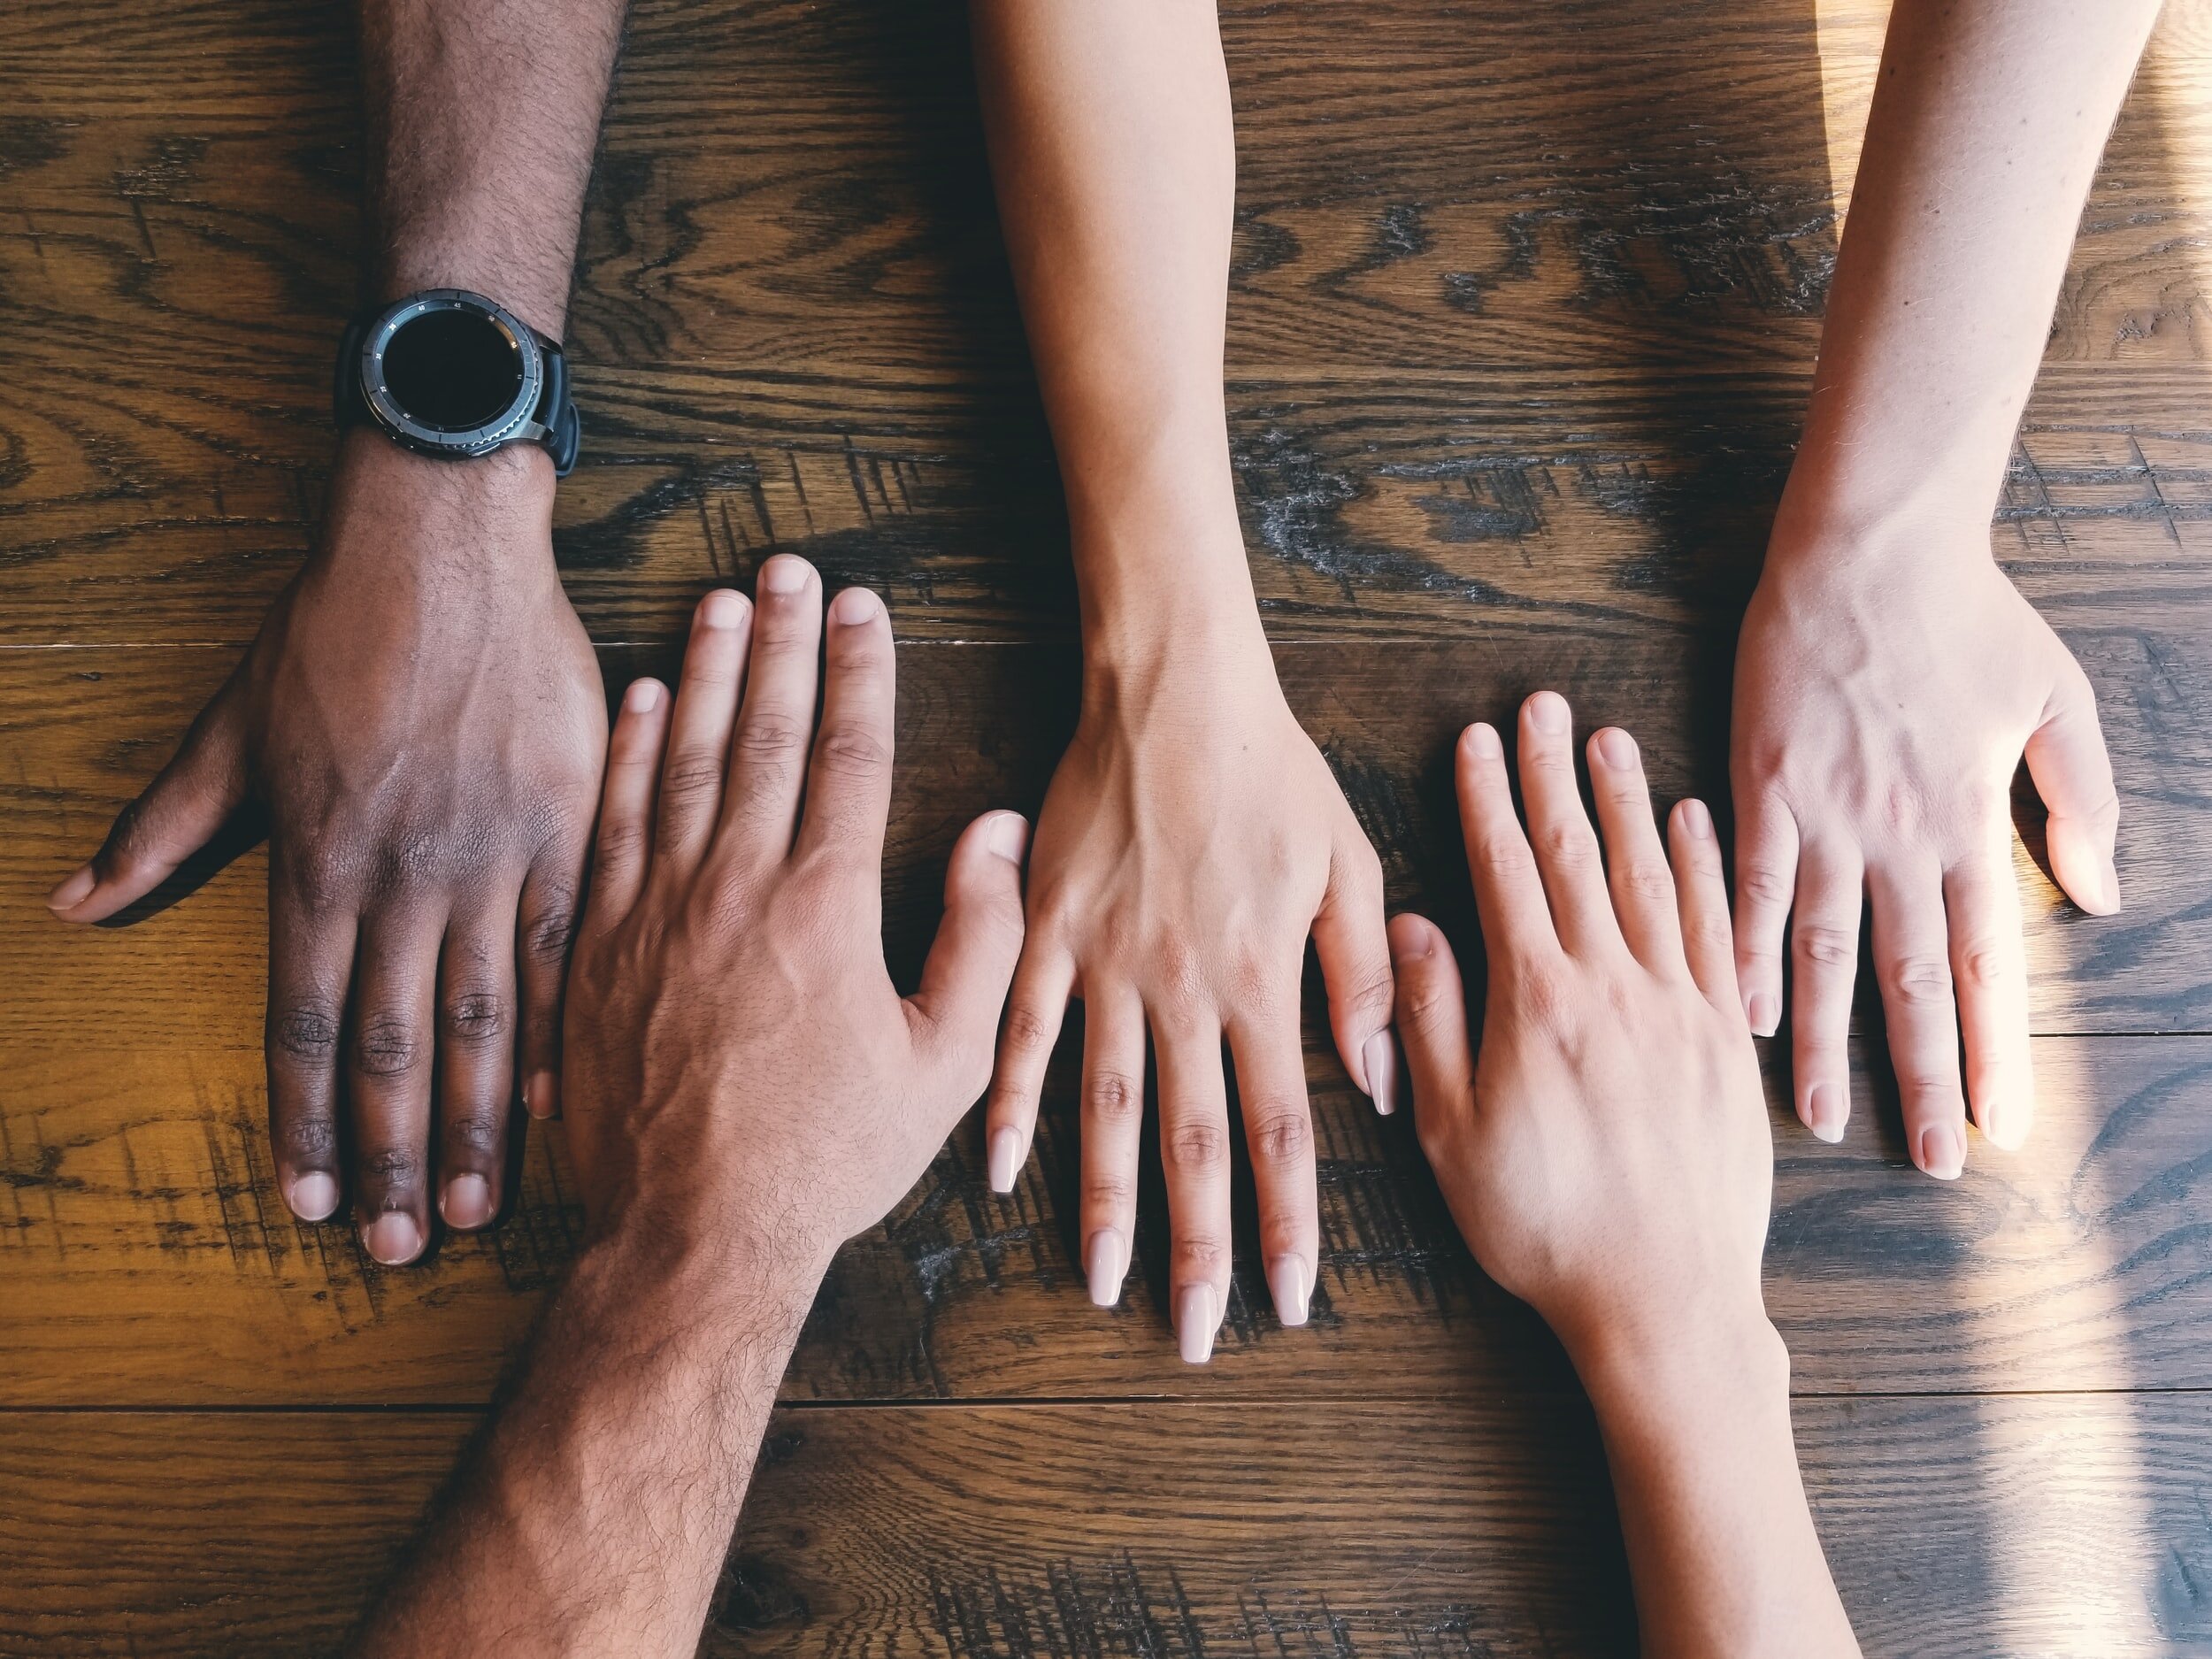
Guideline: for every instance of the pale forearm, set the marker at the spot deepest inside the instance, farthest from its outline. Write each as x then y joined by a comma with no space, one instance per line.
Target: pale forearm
595,1516
1987,122
1114,153
482,117
1720,1543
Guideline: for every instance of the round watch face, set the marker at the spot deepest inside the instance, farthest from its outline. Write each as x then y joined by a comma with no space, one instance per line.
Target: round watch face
452,372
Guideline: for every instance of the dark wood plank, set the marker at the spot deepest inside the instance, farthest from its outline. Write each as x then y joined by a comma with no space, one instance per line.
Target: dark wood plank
1449,1528
1559,347
146,1258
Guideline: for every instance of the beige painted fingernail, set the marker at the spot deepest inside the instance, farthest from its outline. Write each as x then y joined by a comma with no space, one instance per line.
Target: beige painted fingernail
1762,1013
1379,1059
1005,1159
393,1238
1286,1284
72,892
314,1195
467,1201
1194,1318
1943,1151
1105,1263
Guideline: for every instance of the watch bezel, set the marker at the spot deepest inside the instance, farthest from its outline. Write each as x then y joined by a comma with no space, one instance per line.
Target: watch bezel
511,423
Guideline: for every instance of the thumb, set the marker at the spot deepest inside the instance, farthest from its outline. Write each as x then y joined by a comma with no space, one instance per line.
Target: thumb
2066,757
179,812
971,963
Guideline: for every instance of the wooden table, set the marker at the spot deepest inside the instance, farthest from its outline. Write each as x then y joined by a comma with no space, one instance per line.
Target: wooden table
1526,301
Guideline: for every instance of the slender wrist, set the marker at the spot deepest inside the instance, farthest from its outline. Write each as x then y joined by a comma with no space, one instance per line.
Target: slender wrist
1708,1367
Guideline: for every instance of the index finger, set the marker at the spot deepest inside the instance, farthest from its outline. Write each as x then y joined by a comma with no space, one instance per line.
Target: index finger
1508,893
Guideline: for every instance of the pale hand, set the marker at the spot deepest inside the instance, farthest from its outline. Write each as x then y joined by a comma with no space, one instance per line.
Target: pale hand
1882,705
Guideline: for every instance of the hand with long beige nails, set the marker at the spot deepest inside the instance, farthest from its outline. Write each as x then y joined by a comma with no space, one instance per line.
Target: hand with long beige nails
1609,1160
745,1089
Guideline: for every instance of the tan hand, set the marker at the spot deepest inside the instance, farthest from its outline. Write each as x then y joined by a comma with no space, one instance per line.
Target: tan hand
1609,1159
1880,713
1192,840
737,1057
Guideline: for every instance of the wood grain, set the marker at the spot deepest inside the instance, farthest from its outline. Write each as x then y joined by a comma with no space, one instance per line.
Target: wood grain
1445,1529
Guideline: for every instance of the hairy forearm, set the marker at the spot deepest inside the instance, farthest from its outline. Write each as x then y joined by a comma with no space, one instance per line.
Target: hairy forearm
1987,122
1114,152
1720,1543
594,1516
482,117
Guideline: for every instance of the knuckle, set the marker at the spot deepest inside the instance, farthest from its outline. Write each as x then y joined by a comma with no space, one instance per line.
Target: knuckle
1423,1006
474,1018
770,742
689,773
304,1033
1280,1134
306,1139
851,751
1764,884
1113,1099
1108,1193
392,1167
1816,943
477,1132
1197,1260
1371,993
1650,882
1919,980
1505,857
1545,1000
388,1045
1196,1148
1568,844
1984,963
621,841
1028,1033
547,934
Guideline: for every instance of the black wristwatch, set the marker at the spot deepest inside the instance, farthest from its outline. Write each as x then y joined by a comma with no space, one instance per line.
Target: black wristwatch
450,373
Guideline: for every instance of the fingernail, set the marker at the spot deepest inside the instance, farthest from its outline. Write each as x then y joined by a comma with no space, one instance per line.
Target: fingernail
1762,1013
1286,1284
1411,940
1379,1059
1007,836
1006,1158
1194,1323
2109,891
541,1094
313,1195
72,892
1943,1151
722,609
467,1201
1826,1111
1103,1267
1696,820
1617,747
1547,712
783,574
393,1238
854,606
643,697
1482,739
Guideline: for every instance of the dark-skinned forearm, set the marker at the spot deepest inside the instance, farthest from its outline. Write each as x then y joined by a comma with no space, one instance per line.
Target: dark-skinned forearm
482,117
595,1514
